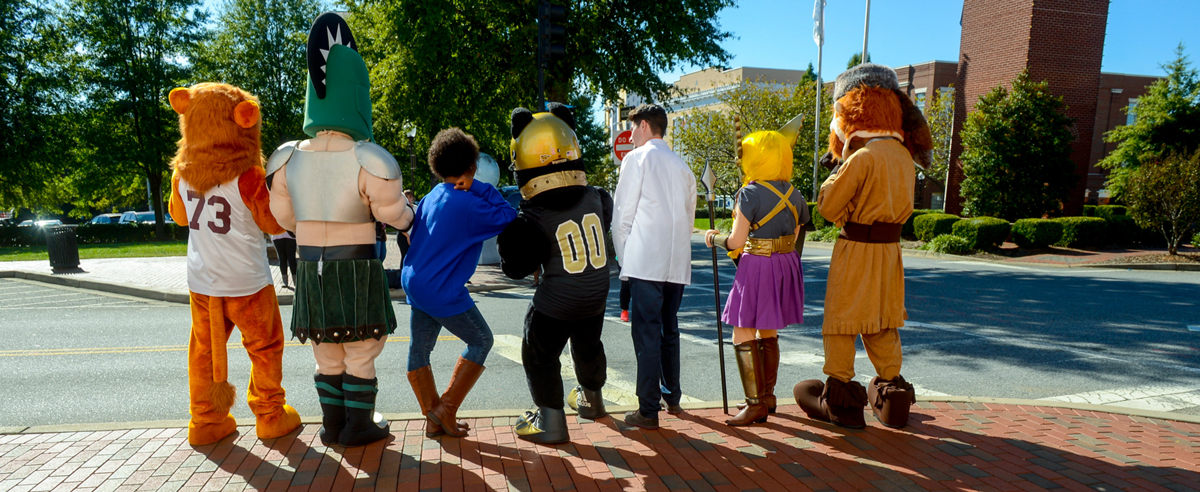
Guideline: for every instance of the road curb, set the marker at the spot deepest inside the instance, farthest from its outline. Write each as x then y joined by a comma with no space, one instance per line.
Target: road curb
917,253
178,297
615,411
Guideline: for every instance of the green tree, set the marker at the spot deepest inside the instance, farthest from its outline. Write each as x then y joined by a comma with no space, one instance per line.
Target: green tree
1017,152
1164,194
35,104
1167,120
856,60
136,53
810,75
709,134
939,113
438,63
260,46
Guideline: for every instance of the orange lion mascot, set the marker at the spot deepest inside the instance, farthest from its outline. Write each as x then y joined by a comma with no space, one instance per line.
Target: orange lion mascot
218,190
878,134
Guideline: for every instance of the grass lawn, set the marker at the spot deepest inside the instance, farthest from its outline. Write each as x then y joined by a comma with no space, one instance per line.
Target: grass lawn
722,224
89,251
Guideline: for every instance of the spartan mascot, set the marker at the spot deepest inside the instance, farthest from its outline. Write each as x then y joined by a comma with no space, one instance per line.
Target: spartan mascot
561,229
877,134
330,190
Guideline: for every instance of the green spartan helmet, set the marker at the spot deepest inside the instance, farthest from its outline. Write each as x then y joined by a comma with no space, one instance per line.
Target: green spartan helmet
339,92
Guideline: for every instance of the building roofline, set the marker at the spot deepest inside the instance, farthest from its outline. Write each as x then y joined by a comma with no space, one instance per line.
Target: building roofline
1133,75
926,63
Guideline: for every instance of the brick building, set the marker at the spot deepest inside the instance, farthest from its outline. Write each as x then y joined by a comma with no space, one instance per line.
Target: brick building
1059,41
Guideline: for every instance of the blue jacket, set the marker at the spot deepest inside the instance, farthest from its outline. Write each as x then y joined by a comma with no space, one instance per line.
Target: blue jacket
447,237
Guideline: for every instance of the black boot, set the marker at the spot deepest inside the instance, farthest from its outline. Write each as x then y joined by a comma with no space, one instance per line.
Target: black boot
363,424
545,426
333,407
589,404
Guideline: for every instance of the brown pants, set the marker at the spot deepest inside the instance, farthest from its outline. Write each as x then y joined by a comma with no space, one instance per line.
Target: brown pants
883,349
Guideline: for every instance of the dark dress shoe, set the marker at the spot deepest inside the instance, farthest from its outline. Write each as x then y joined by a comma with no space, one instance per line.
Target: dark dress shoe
636,419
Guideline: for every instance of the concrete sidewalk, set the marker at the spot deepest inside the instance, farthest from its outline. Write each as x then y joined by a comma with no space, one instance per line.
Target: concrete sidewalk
1065,258
165,278
949,445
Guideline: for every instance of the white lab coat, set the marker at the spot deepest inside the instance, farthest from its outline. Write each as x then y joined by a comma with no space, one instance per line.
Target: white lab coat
653,214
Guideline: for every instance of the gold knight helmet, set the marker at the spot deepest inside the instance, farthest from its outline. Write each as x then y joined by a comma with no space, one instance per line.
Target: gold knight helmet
545,151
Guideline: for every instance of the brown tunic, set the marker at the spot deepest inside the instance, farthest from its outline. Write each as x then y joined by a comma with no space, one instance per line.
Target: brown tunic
865,293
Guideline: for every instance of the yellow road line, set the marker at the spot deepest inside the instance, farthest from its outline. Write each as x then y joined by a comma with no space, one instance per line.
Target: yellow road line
154,348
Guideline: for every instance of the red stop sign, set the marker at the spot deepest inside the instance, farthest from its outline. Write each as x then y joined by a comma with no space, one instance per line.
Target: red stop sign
623,144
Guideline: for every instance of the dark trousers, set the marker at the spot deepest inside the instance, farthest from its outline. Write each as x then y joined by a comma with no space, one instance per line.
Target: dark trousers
654,316
285,249
624,298
544,340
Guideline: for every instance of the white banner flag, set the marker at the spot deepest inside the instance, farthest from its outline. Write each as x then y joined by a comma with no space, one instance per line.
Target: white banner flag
819,22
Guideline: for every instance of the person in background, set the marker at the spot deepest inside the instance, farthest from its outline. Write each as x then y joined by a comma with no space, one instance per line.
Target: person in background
285,250
380,241
624,300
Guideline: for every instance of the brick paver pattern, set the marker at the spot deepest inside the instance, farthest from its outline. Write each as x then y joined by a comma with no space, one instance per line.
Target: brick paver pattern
955,446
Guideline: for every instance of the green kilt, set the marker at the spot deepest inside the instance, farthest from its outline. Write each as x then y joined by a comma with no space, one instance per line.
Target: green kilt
348,301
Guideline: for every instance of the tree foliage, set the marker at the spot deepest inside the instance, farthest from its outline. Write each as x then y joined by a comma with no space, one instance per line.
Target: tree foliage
939,113
260,46
135,52
1017,152
1167,119
1164,195
709,134
856,59
35,102
437,63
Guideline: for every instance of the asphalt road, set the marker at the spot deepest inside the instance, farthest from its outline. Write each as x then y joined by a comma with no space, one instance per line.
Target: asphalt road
975,329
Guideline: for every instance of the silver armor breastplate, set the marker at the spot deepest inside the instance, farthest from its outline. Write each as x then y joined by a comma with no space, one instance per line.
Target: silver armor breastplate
324,185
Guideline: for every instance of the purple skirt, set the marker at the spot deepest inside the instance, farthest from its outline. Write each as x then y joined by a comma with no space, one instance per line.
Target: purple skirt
767,293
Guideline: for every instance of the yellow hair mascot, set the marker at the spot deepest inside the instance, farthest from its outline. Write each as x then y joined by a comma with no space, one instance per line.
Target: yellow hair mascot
218,190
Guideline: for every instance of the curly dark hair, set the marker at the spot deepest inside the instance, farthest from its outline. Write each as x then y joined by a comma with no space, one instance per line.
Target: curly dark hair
453,153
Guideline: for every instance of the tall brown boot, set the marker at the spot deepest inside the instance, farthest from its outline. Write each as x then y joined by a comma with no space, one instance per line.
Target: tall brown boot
833,401
426,390
750,367
466,373
770,351
890,400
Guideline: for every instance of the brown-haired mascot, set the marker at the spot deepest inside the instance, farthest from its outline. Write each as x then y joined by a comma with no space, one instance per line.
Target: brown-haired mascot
878,134
218,191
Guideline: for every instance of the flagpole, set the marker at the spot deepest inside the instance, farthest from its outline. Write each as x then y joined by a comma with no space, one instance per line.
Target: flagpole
819,38
866,28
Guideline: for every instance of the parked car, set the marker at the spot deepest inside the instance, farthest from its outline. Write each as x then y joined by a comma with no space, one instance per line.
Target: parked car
137,217
105,219
40,223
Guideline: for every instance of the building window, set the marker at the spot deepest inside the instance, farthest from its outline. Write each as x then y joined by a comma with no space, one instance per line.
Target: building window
1131,112
919,99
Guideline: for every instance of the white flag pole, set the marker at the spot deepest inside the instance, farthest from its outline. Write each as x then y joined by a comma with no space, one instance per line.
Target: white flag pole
819,37
866,28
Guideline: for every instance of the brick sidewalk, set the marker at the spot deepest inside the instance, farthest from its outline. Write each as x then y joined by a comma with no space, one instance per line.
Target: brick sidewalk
956,446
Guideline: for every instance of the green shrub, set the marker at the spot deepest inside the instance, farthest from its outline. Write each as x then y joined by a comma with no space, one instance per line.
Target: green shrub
1036,233
1196,240
818,221
1089,210
1082,231
982,232
949,244
721,213
827,234
1122,230
907,230
928,226
1106,211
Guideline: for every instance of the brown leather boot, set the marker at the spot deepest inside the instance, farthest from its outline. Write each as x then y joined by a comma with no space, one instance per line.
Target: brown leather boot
750,367
833,401
466,373
770,351
890,400
426,390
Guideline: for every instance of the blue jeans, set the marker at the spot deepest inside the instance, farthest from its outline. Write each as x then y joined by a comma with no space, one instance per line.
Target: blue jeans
468,326
654,319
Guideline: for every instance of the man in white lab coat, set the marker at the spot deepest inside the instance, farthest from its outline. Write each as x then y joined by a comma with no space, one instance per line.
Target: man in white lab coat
654,210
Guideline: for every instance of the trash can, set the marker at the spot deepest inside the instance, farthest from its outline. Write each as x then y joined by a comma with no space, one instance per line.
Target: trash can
63,248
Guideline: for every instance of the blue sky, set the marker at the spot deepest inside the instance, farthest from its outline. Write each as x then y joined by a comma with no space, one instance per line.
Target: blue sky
778,34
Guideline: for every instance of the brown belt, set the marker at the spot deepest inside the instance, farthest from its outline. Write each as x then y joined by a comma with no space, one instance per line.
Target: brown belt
879,232
765,247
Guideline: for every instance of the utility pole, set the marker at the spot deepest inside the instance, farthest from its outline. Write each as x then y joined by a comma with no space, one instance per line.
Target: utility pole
551,36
